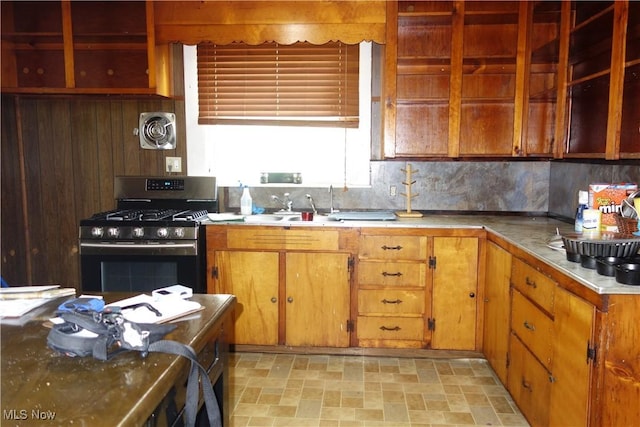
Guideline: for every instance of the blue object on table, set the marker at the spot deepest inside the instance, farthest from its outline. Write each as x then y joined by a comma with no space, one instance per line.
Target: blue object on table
3,284
81,304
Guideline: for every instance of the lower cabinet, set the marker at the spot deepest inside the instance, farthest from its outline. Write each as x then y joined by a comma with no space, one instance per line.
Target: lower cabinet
574,352
292,287
253,277
455,287
417,291
497,309
528,383
317,299
551,349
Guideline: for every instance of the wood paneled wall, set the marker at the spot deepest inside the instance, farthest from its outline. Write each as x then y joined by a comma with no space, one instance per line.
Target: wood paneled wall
59,158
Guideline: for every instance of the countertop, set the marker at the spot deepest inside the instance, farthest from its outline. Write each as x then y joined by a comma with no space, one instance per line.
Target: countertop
529,233
40,386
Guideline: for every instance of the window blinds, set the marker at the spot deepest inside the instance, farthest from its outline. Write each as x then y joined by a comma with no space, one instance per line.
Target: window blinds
298,84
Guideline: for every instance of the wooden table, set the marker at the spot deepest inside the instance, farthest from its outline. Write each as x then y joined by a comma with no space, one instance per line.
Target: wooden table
40,385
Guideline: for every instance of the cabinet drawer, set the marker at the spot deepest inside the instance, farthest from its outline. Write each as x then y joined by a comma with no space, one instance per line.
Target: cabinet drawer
535,285
280,238
390,328
391,301
393,247
529,384
392,273
533,327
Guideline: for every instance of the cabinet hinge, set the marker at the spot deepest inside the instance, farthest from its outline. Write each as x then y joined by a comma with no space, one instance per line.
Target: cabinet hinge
432,262
508,362
214,273
431,324
350,264
591,352
350,326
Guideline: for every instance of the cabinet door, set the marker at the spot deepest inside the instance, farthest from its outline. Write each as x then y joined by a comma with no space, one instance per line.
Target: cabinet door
496,309
529,384
455,283
253,278
317,299
574,319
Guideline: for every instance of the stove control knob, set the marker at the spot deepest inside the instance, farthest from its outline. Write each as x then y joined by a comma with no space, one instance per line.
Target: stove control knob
179,232
163,232
138,232
97,231
113,231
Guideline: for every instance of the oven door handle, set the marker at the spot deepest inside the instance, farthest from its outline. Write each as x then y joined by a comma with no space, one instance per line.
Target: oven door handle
137,245
88,248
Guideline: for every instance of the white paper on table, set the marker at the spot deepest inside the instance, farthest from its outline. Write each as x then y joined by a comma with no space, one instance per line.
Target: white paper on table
170,308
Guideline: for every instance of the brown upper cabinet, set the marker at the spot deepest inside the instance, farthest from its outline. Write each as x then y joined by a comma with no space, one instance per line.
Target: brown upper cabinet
75,47
455,75
603,79
512,79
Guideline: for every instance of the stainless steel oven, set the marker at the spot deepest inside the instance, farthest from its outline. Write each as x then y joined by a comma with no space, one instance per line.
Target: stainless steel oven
152,239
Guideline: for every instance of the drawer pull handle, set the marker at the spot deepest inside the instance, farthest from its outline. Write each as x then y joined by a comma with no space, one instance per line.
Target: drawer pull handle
530,282
395,328
526,385
391,248
274,300
386,301
290,299
529,326
386,274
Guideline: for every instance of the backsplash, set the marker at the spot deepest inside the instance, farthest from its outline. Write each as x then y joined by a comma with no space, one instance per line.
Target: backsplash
484,186
566,179
440,186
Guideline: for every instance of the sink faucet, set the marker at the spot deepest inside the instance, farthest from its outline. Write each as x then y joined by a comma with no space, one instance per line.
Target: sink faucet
287,203
331,208
313,205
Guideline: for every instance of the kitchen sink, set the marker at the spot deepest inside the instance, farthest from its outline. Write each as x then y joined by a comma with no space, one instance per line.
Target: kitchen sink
316,218
363,216
267,218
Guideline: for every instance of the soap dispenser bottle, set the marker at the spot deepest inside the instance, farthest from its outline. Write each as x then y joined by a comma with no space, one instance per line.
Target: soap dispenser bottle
583,200
246,203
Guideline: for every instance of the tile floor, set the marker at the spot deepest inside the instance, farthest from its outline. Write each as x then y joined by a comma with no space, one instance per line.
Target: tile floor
345,391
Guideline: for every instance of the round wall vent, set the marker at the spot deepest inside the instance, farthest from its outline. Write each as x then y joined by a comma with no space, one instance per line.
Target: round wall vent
157,131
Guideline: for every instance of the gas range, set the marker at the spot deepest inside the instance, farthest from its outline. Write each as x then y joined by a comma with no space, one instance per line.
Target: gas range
152,238
143,224
153,208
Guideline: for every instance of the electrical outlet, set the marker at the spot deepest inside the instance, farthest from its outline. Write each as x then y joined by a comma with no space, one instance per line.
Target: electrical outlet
393,191
173,164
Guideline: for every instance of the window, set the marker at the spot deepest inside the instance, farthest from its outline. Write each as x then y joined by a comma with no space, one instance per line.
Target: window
324,155
298,84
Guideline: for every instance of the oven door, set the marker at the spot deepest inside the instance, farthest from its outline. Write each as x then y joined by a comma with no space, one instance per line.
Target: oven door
141,266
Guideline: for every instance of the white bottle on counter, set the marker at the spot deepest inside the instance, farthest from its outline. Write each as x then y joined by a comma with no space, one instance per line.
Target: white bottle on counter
246,203
583,200
591,219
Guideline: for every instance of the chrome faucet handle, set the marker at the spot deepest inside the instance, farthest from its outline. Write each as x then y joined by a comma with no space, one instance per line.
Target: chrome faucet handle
313,205
288,203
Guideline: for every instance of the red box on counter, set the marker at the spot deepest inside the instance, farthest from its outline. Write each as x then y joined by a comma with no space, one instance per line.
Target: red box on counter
607,198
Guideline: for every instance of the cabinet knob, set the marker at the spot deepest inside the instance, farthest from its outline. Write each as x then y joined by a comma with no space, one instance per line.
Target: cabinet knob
290,299
472,295
529,326
274,300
